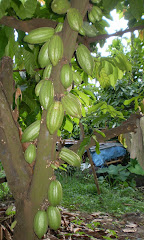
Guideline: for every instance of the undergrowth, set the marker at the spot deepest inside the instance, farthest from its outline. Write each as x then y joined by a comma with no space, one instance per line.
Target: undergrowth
80,193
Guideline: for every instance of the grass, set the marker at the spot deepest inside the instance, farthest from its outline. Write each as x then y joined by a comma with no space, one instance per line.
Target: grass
79,193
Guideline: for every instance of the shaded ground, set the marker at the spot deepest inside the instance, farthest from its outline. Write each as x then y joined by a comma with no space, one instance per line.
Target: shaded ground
77,225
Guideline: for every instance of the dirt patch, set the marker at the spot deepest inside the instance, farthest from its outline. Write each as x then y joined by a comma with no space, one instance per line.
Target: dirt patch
83,226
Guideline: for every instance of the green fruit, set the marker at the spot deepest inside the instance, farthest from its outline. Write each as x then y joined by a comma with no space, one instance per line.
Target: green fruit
60,6
47,72
46,94
66,76
85,59
43,57
31,132
75,19
90,30
82,31
95,14
59,27
55,193
70,157
54,217
91,17
39,35
55,49
96,1
72,105
30,153
55,117
40,223
38,87
77,78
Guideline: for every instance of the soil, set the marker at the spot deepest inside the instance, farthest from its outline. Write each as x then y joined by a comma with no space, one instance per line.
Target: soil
83,226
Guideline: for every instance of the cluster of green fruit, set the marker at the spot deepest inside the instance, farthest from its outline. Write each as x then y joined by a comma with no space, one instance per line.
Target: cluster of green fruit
51,217
50,54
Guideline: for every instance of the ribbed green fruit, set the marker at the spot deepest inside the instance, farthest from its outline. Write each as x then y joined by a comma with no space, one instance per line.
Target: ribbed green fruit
90,30
59,27
40,223
85,59
55,117
70,157
31,132
95,14
60,6
43,57
39,35
46,94
30,153
75,19
55,49
82,31
66,76
54,217
72,105
91,17
55,193
38,87
77,78
47,71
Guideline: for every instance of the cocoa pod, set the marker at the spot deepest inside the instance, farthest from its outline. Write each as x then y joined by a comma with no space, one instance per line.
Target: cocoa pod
38,87
75,19
70,157
60,6
66,76
85,59
46,94
55,49
39,35
54,117
72,105
43,57
31,132
47,71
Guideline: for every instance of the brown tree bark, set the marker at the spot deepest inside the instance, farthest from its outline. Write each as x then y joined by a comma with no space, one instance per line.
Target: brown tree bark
29,188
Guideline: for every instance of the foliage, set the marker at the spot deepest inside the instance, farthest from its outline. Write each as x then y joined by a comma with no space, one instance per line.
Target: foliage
79,193
91,106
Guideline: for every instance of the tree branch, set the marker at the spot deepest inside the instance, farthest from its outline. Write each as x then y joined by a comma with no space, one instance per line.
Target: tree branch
28,25
89,40
126,127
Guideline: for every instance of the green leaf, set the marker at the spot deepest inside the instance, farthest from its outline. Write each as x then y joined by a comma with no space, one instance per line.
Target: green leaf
97,144
95,107
29,61
127,102
100,132
4,4
137,170
109,4
88,92
136,8
83,112
84,97
68,125
25,10
83,145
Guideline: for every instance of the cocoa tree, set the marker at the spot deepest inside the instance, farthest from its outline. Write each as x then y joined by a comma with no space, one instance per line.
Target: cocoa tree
68,32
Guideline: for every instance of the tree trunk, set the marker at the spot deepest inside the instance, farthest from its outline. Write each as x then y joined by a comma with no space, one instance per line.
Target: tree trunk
29,186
